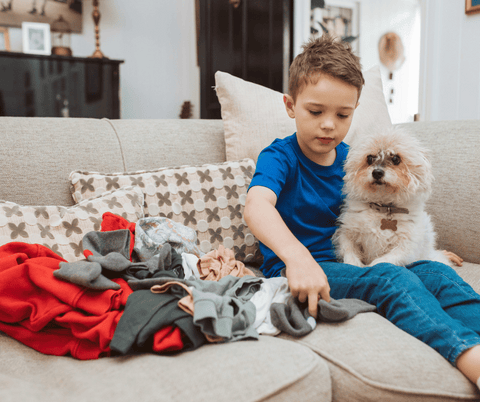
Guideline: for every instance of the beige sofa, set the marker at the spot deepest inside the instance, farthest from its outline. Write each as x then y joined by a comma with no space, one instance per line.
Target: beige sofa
363,359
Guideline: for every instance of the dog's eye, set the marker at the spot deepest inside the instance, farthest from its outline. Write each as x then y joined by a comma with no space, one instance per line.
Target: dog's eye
370,159
396,159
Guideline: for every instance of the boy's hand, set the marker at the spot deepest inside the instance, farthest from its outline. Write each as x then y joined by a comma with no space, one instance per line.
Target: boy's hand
307,281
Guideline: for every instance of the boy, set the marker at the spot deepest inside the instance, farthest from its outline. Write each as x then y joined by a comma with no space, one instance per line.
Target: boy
294,200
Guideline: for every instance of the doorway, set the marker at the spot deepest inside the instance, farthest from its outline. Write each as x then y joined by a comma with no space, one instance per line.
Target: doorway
250,39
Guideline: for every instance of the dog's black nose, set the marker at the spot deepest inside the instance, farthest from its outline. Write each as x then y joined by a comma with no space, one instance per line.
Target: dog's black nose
378,174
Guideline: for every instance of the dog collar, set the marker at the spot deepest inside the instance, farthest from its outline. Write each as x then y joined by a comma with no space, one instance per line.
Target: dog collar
388,209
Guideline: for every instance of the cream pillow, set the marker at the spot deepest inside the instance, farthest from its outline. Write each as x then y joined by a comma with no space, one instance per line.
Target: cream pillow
253,115
61,229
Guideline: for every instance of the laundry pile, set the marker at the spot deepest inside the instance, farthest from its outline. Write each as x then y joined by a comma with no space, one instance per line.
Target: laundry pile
144,287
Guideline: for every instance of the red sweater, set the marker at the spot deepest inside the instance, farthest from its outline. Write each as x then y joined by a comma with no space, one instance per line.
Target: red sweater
50,315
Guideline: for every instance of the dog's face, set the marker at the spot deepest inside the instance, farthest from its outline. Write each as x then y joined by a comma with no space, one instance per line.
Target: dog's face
390,167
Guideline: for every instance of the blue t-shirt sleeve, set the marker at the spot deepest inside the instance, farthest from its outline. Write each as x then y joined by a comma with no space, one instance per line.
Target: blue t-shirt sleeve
272,168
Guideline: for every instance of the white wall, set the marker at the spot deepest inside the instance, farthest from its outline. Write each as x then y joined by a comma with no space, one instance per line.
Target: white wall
450,72
156,38
157,42
378,17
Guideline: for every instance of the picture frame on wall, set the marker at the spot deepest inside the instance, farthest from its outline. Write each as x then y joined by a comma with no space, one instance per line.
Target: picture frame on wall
340,18
4,40
36,38
14,12
472,6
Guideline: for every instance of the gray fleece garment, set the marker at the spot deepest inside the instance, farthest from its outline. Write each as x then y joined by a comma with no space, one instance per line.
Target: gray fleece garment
291,317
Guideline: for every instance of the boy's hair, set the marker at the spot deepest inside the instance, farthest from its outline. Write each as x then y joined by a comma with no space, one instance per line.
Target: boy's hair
325,55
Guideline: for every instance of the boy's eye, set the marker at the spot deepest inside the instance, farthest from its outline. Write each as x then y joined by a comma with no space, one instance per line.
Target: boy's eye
396,159
370,159
315,113
343,116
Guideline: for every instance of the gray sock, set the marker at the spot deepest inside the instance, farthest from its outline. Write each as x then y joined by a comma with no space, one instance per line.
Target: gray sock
84,273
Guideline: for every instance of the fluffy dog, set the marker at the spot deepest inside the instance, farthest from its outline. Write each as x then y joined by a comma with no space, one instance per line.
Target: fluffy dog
388,179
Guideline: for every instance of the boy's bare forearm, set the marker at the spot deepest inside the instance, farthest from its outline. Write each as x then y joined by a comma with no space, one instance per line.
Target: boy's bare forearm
306,278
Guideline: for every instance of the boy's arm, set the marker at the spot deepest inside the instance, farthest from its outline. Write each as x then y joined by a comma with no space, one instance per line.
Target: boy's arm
306,278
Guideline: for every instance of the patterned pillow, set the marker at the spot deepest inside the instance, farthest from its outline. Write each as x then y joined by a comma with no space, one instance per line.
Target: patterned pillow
208,198
62,228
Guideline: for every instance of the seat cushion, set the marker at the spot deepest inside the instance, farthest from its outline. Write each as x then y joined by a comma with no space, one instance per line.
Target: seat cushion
372,360
270,369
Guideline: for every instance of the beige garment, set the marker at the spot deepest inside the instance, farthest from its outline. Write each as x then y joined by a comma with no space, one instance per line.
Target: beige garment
219,263
185,303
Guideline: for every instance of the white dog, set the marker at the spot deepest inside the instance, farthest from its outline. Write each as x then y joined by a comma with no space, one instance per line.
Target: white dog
387,182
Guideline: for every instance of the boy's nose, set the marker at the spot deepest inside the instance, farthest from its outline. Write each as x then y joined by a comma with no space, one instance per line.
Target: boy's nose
327,124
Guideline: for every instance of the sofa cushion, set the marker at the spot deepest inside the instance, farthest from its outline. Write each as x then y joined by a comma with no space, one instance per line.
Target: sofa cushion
208,198
149,143
268,369
253,115
38,153
371,357
62,228
456,191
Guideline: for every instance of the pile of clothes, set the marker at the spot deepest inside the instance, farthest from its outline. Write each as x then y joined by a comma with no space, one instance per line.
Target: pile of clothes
144,287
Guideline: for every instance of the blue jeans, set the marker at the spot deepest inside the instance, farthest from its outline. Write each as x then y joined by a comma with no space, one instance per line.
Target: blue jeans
426,299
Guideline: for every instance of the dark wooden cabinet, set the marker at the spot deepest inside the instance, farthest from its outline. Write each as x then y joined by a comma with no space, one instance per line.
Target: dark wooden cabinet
56,86
250,39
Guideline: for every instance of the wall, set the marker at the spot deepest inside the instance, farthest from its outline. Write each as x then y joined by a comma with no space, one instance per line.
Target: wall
450,71
157,42
378,17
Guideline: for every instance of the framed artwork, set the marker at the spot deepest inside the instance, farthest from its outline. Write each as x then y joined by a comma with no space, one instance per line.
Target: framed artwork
14,12
4,40
36,38
472,6
340,18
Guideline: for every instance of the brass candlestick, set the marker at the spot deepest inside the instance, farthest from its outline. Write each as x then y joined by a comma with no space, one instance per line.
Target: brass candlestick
96,19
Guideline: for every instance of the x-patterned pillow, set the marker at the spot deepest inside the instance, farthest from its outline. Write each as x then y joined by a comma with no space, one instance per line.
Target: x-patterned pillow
208,198
62,228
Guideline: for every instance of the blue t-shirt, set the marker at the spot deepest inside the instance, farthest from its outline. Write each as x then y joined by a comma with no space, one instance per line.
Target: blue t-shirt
309,197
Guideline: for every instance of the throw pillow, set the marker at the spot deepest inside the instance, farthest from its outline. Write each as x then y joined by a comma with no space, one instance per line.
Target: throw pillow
253,115
62,228
208,198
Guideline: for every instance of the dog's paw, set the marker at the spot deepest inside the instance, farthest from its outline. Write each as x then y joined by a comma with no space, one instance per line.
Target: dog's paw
381,261
353,260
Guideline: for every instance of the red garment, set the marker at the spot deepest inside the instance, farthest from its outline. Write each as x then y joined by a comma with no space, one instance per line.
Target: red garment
168,339
50,315
112,222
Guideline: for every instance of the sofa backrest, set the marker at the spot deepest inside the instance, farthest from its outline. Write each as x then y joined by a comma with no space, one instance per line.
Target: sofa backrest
455,201
38,154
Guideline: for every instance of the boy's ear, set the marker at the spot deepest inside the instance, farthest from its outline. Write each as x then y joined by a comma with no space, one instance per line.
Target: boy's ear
289,105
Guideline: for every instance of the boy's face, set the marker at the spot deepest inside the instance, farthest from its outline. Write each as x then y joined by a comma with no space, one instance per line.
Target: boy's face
323,114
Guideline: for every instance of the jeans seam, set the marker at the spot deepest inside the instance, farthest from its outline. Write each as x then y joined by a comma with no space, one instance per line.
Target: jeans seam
457,285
